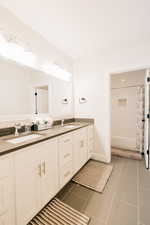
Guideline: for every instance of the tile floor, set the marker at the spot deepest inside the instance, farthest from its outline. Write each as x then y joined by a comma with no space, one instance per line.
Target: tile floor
125,200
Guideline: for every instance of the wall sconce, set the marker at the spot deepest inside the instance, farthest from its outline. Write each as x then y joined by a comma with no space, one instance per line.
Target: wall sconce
82,100
65,101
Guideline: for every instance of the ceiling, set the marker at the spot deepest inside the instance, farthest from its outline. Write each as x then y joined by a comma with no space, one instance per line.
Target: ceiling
86,27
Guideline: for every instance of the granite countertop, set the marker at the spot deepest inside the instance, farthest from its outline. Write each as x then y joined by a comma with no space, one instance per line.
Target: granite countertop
6,147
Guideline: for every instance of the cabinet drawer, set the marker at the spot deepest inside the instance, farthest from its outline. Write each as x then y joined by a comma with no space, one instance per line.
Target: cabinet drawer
65,157
65,150
65,174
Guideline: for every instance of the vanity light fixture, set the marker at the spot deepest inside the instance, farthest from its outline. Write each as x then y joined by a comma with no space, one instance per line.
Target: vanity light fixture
11,49
17,53
56,71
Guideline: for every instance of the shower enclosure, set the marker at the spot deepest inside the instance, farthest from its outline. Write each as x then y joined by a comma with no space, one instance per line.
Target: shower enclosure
128,107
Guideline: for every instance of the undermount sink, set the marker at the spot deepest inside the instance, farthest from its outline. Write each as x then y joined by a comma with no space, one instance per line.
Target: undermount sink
24,138
70,126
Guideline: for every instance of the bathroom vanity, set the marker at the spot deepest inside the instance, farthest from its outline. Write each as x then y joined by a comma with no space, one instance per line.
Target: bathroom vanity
34,171
35,167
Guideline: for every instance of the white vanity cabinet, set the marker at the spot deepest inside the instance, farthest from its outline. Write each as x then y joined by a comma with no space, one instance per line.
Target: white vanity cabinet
32,176
36,178
80,149
7,194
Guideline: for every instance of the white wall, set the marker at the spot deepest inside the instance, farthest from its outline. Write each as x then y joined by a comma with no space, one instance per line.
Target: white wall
92,80
62,89
124,118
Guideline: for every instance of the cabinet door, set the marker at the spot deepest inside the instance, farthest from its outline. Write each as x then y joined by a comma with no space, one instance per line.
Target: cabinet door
6,192
5,220
90,141
49,163
79,149
76,151
83,146
28,178
90,149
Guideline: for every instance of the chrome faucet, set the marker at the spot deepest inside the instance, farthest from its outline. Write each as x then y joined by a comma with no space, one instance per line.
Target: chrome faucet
17,127
62,122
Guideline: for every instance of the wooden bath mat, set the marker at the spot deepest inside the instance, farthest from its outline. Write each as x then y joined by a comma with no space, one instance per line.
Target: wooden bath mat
59,213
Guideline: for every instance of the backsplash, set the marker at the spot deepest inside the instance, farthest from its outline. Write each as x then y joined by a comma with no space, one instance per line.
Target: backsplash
9,121
10,124
7,127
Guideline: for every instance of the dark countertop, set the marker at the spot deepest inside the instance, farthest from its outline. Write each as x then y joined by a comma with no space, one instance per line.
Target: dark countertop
6,147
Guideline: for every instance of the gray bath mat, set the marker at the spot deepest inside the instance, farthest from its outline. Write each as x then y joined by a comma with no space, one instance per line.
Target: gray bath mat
59,213
94,175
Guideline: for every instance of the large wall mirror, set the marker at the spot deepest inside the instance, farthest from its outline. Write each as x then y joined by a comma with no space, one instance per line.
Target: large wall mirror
18,85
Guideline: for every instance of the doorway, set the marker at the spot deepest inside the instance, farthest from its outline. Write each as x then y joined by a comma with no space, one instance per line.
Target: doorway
128,109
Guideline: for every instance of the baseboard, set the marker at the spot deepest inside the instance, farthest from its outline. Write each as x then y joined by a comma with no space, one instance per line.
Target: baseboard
100,157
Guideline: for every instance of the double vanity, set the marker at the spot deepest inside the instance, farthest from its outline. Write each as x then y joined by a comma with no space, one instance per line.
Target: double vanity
35,167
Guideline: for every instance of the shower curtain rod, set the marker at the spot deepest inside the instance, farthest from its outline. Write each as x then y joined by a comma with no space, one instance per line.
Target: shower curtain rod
130,86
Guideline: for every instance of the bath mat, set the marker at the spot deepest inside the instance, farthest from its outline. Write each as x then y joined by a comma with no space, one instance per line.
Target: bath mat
126,153
94,175
59,213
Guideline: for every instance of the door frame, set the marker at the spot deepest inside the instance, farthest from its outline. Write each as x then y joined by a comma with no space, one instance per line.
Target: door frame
129,69
147,120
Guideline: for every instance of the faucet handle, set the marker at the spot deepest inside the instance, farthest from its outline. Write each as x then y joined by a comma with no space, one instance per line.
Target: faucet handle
17,125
